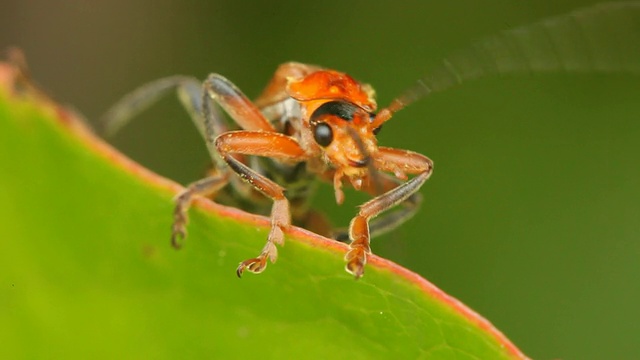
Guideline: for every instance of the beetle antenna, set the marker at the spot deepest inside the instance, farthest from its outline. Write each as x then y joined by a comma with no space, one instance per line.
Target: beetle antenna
602,38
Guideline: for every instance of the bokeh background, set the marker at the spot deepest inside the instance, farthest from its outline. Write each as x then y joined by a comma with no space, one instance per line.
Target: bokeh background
532,215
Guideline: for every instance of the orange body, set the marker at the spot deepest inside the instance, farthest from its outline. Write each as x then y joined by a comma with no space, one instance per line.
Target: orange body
309,123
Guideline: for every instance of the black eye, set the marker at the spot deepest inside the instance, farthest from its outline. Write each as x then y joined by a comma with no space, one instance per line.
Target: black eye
323,134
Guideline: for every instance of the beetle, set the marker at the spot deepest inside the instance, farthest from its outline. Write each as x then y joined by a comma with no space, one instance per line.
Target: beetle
314,123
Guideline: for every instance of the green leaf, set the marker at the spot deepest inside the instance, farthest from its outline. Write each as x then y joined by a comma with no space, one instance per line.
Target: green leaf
87,271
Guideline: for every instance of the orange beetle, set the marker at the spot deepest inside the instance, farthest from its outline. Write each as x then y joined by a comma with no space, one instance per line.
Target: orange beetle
308,123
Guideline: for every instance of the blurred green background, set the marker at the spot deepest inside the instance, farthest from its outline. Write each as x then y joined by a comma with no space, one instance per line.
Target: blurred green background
531,217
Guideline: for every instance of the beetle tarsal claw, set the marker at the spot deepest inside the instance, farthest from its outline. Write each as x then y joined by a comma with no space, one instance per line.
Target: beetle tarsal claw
255,265
179,226
178,234
356,260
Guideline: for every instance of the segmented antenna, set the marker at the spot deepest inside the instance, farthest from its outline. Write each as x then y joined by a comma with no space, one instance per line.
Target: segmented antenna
601,38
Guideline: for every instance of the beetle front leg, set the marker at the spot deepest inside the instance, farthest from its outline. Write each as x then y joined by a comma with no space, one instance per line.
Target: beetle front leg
269,144
399,162
389,220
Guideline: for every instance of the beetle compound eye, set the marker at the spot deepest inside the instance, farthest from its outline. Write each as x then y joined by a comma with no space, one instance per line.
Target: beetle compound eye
323,134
